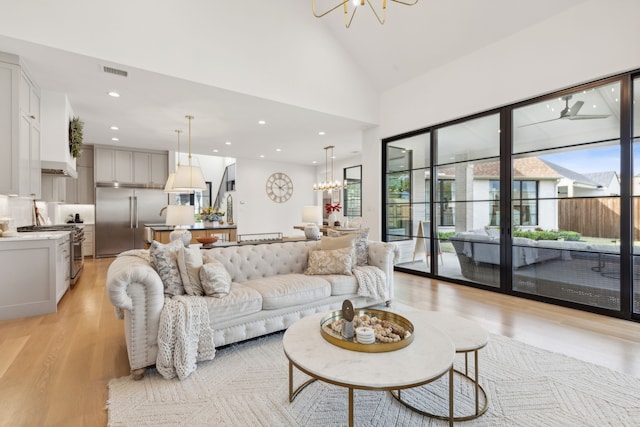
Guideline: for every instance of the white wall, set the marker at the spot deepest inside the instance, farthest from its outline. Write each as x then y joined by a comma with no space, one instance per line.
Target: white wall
371,179
255,213
188,40
592,40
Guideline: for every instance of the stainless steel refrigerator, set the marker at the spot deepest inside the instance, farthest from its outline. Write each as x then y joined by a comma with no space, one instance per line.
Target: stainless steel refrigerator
120,217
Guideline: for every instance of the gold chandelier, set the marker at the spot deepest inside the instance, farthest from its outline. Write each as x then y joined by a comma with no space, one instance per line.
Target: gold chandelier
381,15
333,184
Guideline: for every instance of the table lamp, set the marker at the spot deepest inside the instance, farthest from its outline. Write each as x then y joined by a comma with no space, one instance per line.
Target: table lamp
312,215
180,216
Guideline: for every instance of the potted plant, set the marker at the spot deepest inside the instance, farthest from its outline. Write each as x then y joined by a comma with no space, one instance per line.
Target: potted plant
332,210
211,215
75,137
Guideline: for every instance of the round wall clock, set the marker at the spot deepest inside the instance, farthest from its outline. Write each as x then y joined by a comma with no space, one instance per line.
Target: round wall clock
279,187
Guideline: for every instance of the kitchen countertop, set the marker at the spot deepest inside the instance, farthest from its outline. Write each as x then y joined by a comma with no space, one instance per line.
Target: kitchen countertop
40,235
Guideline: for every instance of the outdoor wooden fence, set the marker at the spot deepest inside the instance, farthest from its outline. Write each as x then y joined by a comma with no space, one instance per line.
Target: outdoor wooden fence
595,217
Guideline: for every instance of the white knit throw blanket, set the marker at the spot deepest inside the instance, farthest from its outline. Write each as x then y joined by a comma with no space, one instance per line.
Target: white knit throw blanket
184,336
371,281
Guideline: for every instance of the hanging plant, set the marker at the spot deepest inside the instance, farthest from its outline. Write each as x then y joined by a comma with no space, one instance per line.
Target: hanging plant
75,137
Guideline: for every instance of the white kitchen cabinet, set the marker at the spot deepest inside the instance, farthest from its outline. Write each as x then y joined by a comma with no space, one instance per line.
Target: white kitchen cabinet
19,130
81,189
113,165
150,168
36,273
130,167
141,168
54,188
159,168
63,266
87,245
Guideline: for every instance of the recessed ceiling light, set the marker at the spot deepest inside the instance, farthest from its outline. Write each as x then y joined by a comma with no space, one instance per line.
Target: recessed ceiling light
314,162
227,143
261,156
278,149
114,128
114,94
262,122
321,133
115,139
215,150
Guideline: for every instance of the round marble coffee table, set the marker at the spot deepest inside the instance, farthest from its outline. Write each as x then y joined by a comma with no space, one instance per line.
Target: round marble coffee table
468,337
426,359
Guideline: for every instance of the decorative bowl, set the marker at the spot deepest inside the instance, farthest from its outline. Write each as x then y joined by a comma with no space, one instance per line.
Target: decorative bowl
375,346
207,240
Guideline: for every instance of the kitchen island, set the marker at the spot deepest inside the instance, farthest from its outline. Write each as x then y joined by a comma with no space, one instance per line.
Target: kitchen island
160,232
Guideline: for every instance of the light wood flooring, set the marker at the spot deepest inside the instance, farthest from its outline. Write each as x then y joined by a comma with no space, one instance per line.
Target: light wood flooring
54,369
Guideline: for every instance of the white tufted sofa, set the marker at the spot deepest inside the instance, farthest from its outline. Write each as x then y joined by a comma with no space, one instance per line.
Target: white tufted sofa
269,293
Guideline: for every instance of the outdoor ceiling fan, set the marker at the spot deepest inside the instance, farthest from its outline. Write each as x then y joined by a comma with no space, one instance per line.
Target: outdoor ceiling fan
571,113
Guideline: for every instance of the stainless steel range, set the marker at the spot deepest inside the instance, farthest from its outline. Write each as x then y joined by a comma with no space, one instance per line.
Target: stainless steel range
77,239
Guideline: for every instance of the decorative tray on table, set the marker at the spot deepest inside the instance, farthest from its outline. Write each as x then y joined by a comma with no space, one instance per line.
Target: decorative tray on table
392,331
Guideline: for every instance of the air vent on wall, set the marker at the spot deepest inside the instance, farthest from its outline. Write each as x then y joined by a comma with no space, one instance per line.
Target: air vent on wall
115,71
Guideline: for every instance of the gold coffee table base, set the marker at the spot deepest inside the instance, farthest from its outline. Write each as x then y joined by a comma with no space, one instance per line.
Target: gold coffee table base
479,391
429,357
293,393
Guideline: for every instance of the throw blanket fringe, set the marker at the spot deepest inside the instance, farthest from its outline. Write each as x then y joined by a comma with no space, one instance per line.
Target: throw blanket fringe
184,336
371,281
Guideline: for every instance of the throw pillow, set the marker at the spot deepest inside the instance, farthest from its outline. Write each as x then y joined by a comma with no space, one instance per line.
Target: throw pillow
189,264
328,243
336,261
164,261
361,242
215,279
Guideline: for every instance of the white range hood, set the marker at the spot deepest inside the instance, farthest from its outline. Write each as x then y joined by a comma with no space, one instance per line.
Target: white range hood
55,155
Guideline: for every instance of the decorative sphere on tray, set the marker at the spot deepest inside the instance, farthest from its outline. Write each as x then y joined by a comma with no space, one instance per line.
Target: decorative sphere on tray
207,240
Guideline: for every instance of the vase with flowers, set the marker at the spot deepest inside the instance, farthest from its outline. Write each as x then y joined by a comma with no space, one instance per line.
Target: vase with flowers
210,215
332,210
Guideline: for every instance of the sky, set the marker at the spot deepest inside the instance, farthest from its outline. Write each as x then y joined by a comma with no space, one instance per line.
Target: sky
594,160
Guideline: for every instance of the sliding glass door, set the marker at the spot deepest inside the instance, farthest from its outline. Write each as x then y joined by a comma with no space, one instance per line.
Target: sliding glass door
566,197
635,190
539,199
468,199
407,197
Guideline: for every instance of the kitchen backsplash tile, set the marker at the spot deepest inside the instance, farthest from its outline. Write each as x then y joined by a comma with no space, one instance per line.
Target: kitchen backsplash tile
22,212
18,208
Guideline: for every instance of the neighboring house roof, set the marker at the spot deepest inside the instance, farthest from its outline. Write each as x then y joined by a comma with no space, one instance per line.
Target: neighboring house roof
534,167
530,167
604,179
572,175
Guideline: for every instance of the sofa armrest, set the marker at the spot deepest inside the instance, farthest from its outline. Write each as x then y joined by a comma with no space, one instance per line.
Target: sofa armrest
127,270
137,292
384,255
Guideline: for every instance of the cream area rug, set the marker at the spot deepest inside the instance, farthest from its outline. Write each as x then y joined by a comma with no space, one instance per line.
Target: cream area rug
247,385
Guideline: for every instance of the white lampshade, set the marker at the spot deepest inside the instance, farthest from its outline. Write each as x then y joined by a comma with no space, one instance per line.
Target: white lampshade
312,214
188,179
168,187
180,215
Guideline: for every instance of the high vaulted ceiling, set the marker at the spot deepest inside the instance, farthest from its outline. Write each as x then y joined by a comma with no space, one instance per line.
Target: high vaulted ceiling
231,64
